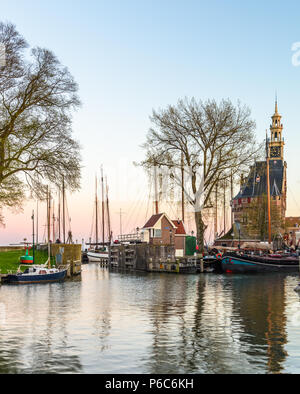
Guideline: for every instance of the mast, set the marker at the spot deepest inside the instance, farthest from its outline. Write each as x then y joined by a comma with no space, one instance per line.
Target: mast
96,206
64,216
121,222
53,224
102,189
182,186
48,215
224,202
268,191
48,224
216,212
155,190
231,191
59,215
108,215
32,217
37,222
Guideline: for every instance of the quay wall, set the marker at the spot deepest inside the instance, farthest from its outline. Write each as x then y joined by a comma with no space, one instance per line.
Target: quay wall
11,248
71,252
148,257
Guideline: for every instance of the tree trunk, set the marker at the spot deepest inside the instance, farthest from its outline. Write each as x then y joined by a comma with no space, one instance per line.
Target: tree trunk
200,231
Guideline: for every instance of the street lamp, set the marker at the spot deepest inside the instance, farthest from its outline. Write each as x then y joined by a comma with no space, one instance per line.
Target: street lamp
238,226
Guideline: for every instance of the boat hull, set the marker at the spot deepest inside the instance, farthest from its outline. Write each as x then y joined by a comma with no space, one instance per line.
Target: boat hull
97,257
212,264
29,279
187,269
233,264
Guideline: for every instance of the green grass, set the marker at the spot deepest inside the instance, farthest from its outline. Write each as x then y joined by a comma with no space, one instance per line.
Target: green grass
10,261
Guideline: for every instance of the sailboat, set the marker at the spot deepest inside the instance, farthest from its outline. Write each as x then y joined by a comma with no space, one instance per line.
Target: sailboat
39,273
97,255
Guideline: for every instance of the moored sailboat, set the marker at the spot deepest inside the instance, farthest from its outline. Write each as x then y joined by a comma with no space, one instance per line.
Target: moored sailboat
99,254
39,273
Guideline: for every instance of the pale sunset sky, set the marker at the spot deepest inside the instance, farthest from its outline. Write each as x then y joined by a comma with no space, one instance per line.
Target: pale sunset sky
130,56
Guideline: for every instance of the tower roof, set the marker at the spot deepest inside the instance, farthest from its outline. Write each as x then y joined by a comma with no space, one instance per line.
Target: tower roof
256,182
276,113
276,107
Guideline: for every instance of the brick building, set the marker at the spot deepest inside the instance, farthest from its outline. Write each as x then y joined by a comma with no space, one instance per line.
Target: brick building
161,230
254,186
254,189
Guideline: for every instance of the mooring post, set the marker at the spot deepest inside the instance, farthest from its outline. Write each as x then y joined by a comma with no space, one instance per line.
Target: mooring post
201,263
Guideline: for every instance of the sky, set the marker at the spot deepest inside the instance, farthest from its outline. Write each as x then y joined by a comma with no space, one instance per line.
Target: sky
132,56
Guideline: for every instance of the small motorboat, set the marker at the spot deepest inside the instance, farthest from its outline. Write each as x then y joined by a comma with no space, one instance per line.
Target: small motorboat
37,274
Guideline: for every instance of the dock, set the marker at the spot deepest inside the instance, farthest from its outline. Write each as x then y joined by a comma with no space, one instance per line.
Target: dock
152,258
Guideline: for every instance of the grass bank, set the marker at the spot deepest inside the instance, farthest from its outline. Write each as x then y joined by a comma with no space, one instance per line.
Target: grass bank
10,261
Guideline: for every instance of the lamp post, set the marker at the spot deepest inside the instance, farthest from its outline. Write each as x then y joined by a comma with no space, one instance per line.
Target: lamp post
170,236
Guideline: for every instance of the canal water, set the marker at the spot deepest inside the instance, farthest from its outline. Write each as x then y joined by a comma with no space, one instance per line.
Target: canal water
109,322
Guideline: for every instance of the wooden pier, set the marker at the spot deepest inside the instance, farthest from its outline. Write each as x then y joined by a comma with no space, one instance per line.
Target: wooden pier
150,258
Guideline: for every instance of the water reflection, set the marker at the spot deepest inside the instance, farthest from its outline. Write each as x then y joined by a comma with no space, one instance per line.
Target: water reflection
111,322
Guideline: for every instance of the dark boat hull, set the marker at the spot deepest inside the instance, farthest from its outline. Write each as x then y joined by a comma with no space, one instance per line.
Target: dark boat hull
236,264
84,258
213,264
188,270
29,279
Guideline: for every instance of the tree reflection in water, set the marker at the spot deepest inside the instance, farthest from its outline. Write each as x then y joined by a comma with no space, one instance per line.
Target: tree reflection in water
114,322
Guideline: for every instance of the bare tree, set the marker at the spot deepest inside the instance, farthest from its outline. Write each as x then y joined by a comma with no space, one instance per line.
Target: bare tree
217,141
37,96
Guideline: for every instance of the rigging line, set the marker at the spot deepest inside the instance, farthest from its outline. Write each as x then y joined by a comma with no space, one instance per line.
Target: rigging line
134,206
149,197
130,219
290,190
138,215
93,222
44,235
68,216
172,209
131,210
134,214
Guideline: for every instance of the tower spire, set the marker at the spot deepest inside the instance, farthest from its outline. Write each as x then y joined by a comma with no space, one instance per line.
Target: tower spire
276,103
277,142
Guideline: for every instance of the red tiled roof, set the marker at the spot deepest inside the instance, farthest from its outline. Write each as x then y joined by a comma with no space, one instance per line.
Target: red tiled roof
153,220
180,227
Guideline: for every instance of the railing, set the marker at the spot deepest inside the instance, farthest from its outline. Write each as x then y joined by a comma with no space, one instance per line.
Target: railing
130,237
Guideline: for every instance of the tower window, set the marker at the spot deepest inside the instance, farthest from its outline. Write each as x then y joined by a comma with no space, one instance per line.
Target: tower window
276,136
